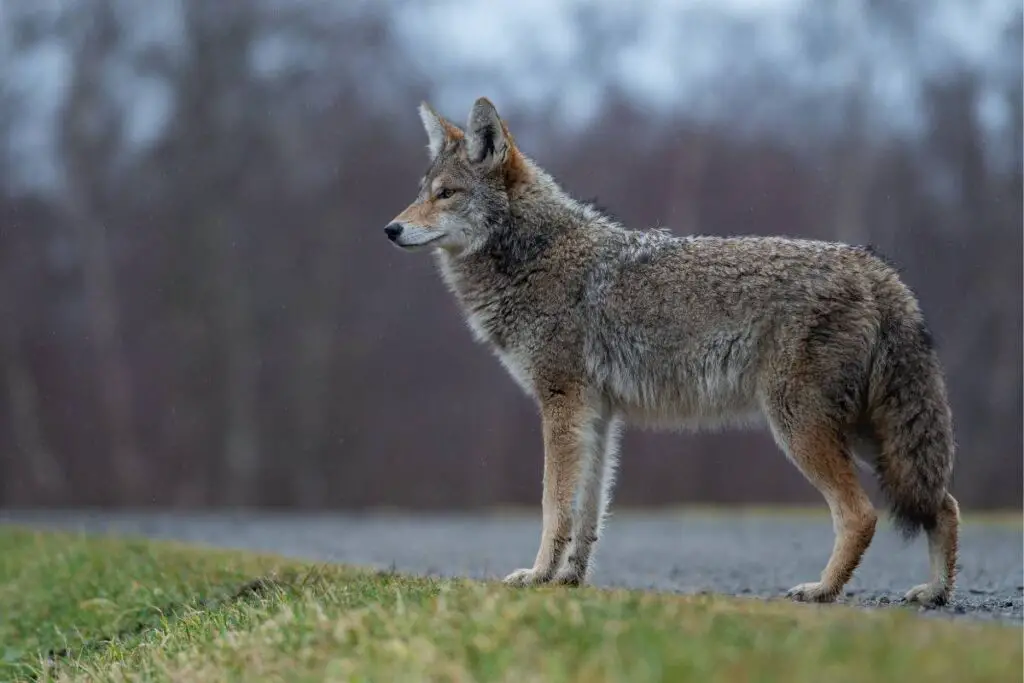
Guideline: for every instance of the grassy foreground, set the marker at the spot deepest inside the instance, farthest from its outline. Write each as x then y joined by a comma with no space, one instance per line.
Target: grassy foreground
98,609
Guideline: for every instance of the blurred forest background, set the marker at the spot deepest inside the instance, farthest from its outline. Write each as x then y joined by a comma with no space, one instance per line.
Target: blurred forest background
198,306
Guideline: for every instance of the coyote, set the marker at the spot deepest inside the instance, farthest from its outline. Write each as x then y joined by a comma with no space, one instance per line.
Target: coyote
604,326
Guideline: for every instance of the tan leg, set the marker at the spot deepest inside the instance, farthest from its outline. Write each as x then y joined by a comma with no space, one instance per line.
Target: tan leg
820,455
568,432
942,549
594,494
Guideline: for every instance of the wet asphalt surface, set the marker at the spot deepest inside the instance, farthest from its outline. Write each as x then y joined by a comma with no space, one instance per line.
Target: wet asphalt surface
758,556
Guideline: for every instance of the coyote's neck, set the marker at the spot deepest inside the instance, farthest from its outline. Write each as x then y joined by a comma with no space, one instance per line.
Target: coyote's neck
486,280
477,286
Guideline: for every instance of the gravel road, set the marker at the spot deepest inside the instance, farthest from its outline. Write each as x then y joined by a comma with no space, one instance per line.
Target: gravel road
689,552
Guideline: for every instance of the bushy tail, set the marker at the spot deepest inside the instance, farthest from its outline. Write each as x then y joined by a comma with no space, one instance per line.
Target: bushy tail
909,411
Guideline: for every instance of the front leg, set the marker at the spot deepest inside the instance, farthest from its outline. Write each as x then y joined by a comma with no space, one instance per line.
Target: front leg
568,432
595,488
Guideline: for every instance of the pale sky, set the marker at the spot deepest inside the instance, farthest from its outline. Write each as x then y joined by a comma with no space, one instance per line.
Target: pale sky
755,64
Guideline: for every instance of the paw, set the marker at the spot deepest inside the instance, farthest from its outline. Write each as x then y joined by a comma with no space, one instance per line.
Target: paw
928,595
812,592
522,578
569,577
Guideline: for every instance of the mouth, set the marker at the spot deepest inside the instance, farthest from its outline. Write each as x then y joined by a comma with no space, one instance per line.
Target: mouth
413,246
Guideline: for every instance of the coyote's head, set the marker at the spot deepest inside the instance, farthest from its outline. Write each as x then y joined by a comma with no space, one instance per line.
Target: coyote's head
465,192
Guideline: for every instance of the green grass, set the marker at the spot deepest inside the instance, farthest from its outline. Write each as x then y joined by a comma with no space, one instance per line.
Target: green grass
98,609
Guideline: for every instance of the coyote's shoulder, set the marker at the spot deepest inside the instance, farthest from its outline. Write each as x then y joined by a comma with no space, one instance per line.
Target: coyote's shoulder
604,325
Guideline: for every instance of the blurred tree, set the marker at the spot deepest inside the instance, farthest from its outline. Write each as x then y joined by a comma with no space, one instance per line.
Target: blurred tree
89,132
213,141
213,317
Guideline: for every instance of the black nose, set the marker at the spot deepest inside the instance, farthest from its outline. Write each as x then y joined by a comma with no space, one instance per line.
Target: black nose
393,231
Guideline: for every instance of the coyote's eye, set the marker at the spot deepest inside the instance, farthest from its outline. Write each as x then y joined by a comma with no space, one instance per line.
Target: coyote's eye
445,193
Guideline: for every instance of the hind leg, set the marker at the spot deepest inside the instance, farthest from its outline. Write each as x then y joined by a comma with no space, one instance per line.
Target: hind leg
942,548
819,453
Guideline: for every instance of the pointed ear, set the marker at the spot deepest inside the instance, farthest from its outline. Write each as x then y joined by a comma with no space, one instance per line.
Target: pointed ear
487,140
439,131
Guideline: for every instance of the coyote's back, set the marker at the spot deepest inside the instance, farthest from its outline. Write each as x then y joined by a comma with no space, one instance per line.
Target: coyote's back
603,325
